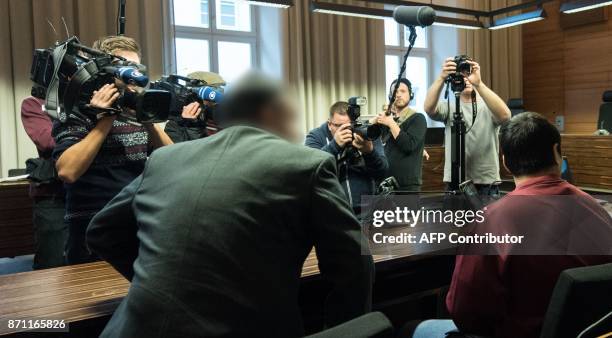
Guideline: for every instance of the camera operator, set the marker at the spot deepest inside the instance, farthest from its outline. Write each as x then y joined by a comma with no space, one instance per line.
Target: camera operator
190,125
481,142
359,171
404,138
96,159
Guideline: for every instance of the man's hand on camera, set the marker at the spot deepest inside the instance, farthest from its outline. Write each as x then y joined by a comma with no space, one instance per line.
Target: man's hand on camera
385,120
105,96
448,68
343,135
474,77
191,111
365,146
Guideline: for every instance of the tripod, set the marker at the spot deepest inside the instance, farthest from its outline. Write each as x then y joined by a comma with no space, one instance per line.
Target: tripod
457,145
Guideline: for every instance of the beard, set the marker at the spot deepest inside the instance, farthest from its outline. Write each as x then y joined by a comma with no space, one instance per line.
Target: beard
400,104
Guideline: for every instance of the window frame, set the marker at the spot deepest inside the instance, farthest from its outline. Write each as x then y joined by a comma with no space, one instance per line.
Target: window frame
214,35
423,52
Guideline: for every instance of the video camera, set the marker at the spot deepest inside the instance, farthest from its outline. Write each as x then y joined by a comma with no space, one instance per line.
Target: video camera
464,68
67,74
184,91
362,128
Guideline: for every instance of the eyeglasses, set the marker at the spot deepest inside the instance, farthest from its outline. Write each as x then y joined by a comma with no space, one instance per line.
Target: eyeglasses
337,125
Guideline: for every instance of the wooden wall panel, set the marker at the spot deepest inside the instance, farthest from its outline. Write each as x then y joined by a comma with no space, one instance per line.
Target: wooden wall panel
16,229
565,71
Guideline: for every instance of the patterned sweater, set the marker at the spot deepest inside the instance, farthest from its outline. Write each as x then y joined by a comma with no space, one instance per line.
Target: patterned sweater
120,160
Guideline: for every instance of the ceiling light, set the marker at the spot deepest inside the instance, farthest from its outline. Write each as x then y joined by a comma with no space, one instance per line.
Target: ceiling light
355,11
583,5
272,3
519,19
457,23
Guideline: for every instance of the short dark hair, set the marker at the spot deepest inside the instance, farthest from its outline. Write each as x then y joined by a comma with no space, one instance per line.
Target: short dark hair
340,107
246,98
527,142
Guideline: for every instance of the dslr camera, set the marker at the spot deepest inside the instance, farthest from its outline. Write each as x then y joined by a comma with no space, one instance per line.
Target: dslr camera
184,91
464,68
363,128
67,74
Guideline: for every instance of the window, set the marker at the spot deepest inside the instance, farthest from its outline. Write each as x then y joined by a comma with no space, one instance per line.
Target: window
417,65
224,42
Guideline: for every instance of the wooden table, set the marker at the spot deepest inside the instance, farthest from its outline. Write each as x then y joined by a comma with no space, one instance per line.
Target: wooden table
86,293
16,231
590,159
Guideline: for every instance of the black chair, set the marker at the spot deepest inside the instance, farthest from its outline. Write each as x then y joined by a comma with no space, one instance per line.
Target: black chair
581,297
371,325
605,112
516,106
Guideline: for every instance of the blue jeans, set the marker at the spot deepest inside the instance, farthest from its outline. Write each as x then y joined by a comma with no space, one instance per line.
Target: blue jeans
434,328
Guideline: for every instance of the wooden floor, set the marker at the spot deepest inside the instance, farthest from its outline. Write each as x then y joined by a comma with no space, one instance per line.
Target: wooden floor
76,293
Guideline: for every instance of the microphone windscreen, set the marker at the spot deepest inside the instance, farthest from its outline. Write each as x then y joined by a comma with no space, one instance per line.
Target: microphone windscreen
207,93
414,15
131,75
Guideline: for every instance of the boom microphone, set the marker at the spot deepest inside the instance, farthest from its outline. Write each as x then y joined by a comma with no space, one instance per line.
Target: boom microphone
414,15
208,94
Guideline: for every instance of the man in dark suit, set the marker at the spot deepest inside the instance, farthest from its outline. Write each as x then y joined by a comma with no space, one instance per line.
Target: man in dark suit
214,233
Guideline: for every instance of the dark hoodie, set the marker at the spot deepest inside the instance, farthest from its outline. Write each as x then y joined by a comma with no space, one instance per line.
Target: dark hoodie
358,177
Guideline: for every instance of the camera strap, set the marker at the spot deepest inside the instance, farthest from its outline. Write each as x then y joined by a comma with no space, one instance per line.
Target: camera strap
52,104
73,90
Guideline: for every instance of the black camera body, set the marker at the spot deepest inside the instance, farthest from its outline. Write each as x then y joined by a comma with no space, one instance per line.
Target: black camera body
67,74
362,128
464,68
184,91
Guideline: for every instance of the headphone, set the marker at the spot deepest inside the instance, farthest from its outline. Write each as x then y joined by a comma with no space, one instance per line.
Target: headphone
404,81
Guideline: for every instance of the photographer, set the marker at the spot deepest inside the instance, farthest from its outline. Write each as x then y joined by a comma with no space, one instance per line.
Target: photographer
191,125
404,138
97,158
483,113
359,169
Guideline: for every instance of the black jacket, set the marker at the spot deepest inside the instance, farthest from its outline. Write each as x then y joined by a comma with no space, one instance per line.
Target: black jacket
405,153
214,233
356,177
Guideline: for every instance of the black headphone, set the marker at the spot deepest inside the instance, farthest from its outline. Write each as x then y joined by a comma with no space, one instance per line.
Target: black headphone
404,81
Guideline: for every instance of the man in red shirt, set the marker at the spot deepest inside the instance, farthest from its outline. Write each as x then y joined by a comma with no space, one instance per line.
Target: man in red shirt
506,295
50,231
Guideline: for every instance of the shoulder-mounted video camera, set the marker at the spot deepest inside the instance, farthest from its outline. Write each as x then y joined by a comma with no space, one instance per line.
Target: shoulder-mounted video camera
67,74
464,68
184,90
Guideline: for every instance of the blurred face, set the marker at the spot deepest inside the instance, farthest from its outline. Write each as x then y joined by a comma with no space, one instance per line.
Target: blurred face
280,118
336,121
130,56
402,97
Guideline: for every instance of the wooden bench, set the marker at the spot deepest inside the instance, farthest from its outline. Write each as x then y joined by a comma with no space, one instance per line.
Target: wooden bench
86,295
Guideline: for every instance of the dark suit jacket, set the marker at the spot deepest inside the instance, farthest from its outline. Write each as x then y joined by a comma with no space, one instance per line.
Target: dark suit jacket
214,233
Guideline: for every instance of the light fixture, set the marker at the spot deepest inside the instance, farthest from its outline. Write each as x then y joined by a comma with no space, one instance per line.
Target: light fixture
457,23
583,5
272,3
355,11
519,19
